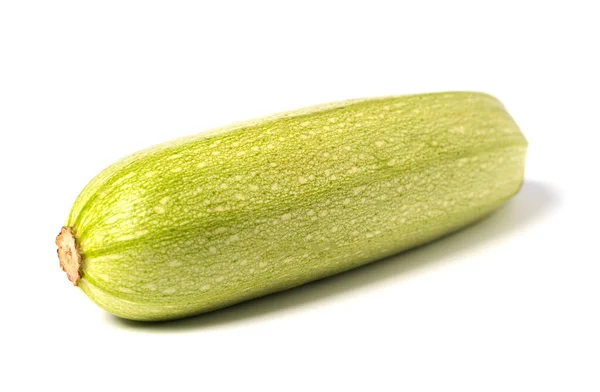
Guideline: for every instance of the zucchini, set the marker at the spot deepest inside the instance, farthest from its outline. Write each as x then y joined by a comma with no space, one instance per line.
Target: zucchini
210,220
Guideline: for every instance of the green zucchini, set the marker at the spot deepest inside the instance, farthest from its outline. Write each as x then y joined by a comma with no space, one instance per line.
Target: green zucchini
203,222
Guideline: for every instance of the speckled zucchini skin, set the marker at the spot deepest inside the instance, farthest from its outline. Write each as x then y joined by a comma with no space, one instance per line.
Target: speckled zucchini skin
232,214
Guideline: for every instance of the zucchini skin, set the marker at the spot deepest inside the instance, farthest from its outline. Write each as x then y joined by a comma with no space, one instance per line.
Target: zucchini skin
207,221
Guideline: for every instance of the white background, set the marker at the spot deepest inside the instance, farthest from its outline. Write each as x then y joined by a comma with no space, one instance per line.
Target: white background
509,304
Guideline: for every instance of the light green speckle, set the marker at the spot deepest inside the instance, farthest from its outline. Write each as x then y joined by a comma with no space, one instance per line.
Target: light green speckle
209,220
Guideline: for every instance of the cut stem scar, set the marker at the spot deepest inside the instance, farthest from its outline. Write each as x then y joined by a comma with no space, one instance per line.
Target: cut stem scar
68,254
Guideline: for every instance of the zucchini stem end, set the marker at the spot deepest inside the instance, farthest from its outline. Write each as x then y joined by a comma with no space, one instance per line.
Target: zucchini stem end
68,254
